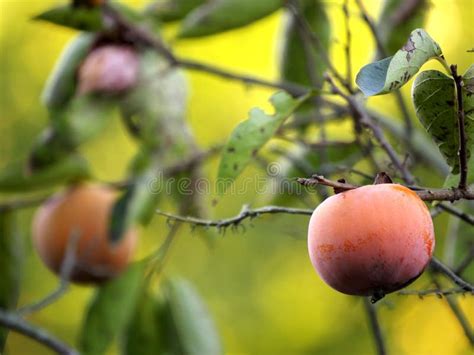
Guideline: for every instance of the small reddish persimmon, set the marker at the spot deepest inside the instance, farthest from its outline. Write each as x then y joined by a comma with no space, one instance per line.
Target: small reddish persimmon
109,69
78,220
371,240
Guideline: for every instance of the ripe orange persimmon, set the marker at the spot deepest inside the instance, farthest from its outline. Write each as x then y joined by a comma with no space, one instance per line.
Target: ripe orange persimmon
371,240
78,219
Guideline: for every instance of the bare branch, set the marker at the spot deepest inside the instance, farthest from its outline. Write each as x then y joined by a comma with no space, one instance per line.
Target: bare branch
13,322
245,213
465,262
424,194
316,42
67,269
347,47
364,118
461,128
438,266
375,326
456,212
434,292
142,36
381,49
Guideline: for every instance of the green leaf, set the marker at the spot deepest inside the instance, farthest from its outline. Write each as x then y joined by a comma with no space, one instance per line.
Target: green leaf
222,15
468,79
136,205
111,310
193,331
146,333
250,135
10,266
173,10
435,104
391,73
294,64
81,18
61,84
397,20
16,178
72,125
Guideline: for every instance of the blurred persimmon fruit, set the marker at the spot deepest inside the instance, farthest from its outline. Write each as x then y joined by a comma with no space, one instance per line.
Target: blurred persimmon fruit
71,231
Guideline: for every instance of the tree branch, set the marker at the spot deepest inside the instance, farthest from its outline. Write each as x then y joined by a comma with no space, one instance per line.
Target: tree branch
456,212
424,194
13,322
438,266
461,128
245,213
142,36
434,292
364,118
381,49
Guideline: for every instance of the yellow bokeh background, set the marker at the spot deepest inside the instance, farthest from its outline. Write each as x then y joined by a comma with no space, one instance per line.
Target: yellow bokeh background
259,285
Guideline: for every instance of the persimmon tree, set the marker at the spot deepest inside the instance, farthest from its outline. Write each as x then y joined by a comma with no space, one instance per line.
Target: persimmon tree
121,61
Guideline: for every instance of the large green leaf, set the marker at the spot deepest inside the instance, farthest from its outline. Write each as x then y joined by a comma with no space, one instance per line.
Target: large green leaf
16,178
222,15
173,10
391,73
294,64
61,83
250,135
111,310
82,18
192,329
435,104
10,266
397,19
146,333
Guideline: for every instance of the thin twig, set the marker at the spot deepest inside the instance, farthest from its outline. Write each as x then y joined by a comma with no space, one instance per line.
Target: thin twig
364,118
464,264
381,49
14,322
434,292
347,47
438,266
461,129
375,326
234,221
66,271
316,42
142,36
456,212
